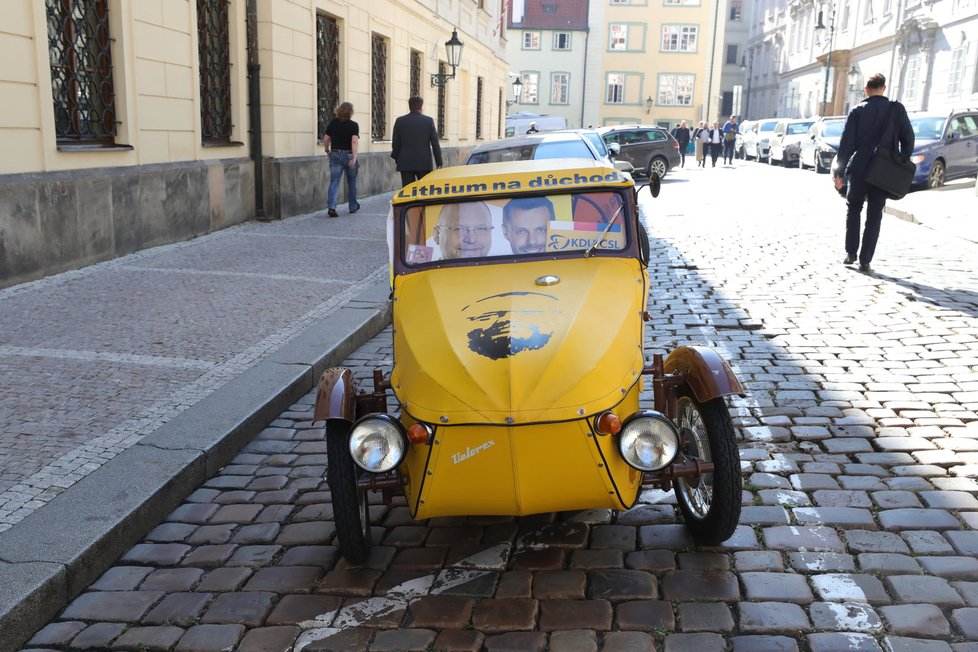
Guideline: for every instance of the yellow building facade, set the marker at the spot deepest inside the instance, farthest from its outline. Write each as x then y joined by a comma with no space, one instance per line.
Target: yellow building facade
654,61
130,124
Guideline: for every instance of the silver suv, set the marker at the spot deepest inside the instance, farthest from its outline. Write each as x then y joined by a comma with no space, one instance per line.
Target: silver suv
649,149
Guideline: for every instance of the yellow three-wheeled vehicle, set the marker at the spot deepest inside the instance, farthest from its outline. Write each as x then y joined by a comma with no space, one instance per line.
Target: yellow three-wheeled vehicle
519,302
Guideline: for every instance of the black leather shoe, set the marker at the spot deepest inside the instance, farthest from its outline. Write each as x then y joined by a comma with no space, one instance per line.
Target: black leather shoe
864,267
849,260
354,209
332,213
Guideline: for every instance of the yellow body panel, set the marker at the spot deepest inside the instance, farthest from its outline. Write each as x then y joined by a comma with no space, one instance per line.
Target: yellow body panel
531,469
487,345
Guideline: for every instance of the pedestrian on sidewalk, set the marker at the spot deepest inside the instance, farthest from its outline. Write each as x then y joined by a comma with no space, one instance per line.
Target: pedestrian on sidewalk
681,134
415,139
730,131
716,142
865,128
341,140
702,144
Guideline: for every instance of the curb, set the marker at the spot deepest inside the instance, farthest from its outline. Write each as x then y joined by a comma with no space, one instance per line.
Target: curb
52,555
901,214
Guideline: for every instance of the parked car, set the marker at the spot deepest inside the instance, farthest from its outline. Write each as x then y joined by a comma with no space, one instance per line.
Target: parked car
650,149
609,152
760,145
740,146
946,146
821,144
534,147
786,143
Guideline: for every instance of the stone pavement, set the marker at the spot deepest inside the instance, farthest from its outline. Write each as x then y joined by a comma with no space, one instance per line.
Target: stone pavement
121,382
950,208
859,441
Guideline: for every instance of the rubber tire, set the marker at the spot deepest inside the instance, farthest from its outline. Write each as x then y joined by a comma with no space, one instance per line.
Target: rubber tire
664,164
718,521
937,175
801,163
349,503
818,165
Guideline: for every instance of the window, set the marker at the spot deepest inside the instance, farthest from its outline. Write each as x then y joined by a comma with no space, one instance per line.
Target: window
868,13
957,71
327,70
562,41
620,2
619,37
964,126
81,71
732,54
215,71
887,7
616,88
676,89
679,38
531,40
531,83
415,73
910,75
478,108
559,88
378,87
736,10
845,15
548,8
681,3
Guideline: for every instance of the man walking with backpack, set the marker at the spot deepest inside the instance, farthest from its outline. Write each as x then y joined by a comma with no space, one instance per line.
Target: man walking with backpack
873,121
730,131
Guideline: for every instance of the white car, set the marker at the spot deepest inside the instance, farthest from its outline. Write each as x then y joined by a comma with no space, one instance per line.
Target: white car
759,147
786,144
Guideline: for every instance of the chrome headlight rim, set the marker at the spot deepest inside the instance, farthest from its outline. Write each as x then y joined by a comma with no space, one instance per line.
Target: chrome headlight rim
655,416
390,428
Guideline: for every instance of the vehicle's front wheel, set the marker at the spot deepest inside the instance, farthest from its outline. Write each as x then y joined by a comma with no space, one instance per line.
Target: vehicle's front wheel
935,178
659,166
710,503
351,512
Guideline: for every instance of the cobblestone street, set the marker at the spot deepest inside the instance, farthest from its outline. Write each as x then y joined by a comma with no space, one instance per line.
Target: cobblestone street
858,443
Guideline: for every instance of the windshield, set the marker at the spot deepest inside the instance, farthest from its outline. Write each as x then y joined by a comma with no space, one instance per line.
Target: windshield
799,128
768,126
596,141
928,127
507,227
576,148
833,129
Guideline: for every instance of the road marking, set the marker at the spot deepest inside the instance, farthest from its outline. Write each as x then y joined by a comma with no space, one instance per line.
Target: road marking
106,356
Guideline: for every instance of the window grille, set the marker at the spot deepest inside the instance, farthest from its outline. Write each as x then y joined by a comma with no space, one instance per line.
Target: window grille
531,82
676,90
215,70
378,96
616,89
679,38
327,70
478,109
81,71
415,73
442,70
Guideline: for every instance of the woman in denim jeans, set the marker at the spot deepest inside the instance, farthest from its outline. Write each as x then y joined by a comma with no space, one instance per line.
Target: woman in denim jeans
342,139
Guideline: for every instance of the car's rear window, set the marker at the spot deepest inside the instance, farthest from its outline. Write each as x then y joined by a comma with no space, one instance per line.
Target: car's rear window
534,151
518,226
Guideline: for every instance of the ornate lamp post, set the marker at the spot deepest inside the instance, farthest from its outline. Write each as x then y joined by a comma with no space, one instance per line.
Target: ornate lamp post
517,91
453,52
828,61
648,104
747,66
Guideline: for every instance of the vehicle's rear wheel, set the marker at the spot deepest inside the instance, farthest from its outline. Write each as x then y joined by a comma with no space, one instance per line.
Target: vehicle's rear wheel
935,178
351,512
801,163
710,503
657,165
770,158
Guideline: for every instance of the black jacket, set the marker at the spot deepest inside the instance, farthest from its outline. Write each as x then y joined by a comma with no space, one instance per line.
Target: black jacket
415,140
682,135
865,131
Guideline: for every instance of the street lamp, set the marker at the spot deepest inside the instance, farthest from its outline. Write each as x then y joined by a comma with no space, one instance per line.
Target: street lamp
828,61
853,78
517,91
648,104
453,50
749,68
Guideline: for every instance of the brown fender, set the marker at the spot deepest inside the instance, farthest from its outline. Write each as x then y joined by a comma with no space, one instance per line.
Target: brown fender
706,373
336,394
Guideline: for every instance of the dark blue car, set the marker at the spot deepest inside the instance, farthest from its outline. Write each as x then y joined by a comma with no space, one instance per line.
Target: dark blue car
946,146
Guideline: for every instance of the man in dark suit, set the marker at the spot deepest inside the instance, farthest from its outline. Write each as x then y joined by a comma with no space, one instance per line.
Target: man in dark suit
415,140
866,127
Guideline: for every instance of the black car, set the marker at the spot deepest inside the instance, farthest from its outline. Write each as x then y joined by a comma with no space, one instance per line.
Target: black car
649,149
818,148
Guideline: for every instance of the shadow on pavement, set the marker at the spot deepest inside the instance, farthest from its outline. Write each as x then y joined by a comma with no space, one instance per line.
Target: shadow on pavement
964,301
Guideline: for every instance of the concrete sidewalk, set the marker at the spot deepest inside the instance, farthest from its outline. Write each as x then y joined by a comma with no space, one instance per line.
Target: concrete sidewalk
951,209
124,385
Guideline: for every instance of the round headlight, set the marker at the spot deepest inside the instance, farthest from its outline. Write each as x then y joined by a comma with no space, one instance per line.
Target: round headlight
377,443
649,441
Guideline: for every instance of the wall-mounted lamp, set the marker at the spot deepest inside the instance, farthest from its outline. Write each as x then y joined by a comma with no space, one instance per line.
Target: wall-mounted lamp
517,91
853,78
648,104
453,52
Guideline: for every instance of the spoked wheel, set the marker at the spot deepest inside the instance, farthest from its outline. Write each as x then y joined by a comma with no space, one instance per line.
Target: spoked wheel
710,503
351,511
935,179
659,166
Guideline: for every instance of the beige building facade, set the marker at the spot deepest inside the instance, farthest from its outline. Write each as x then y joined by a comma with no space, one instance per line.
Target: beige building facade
133,124
654,61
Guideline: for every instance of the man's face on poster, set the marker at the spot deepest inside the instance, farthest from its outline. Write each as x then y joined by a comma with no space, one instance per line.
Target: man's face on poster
464,230
525,226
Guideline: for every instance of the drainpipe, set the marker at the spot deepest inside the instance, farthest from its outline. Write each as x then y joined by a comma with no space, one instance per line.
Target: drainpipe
587,35
254,105
713,54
